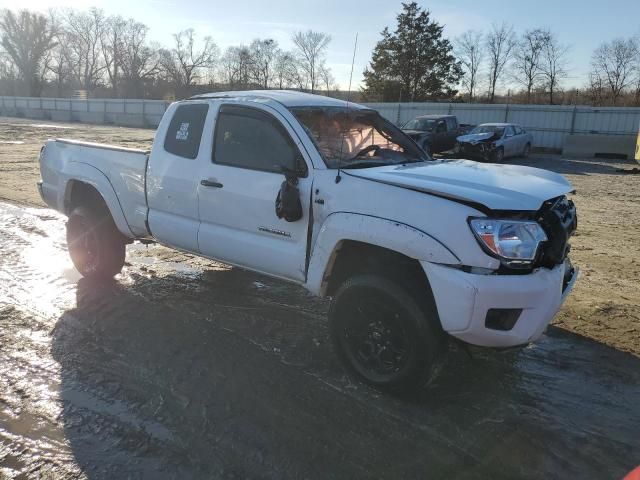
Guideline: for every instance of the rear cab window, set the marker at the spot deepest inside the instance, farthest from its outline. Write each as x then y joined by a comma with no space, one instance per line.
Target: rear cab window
452,124
185,130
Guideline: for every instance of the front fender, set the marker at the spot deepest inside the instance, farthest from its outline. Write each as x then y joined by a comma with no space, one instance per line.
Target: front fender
372,230
83,172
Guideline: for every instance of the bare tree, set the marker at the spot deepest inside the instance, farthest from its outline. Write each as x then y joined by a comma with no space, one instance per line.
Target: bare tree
111,46
57,64
470,52
263,57
84,31
326,78
595,89
527,55
636,81
499,42
553,64
615,64
236,66
7,74
184,62
311,47
140,62
27,37
287,71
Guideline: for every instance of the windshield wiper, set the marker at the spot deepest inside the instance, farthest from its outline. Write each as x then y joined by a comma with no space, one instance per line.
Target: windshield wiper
368,164
380,163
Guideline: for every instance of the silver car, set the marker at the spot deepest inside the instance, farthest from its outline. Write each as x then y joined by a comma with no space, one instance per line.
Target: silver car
495,141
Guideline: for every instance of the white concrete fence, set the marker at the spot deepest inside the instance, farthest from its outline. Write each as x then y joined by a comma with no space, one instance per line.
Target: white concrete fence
125,112
549,124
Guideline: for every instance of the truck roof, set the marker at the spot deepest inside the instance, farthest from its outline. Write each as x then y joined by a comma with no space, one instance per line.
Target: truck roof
436,116
288,98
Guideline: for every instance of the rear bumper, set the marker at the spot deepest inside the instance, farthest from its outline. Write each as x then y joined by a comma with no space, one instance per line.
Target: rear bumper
464,299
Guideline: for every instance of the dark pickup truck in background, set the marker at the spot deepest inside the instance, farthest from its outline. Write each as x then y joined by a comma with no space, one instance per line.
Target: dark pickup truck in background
435,133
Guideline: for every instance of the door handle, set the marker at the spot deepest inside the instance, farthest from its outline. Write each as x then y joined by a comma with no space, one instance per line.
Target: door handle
210,183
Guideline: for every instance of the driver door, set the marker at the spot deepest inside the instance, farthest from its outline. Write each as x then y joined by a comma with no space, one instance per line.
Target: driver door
238,188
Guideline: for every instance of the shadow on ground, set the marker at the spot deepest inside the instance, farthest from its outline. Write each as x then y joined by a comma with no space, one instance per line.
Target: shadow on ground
222,376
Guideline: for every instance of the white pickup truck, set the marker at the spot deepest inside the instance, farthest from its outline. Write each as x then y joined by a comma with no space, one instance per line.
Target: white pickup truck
333,197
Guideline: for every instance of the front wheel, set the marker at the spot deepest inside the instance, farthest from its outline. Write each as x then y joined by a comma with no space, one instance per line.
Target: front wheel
385,334
96,247
497,156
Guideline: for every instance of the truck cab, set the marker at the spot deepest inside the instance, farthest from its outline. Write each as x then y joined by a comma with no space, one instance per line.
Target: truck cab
433,133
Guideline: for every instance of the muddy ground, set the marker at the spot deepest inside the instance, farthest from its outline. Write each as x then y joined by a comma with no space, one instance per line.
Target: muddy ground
183,368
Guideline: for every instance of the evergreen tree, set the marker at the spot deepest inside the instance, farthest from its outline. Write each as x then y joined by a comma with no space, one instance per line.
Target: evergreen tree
414,63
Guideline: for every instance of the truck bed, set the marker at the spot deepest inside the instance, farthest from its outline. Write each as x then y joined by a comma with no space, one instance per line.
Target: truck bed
113,170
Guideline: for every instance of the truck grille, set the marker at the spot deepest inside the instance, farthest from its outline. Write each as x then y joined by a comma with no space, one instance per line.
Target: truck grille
559,221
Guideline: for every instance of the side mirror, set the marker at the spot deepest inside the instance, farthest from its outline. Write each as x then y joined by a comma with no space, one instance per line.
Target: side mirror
288,204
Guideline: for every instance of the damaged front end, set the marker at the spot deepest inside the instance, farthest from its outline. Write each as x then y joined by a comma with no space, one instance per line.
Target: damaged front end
524,241
480,146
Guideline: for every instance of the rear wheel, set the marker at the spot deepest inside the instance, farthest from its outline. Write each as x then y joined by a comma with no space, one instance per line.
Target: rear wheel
384,333
96,247
526,150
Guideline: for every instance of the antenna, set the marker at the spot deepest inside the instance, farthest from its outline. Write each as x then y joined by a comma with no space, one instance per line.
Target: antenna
353,61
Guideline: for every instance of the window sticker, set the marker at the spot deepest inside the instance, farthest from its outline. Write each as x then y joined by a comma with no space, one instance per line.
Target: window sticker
183,133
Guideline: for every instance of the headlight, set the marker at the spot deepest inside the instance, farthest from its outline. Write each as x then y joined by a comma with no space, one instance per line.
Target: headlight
515,241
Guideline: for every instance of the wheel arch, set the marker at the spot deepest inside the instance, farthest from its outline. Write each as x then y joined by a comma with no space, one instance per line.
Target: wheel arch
87,185
348,243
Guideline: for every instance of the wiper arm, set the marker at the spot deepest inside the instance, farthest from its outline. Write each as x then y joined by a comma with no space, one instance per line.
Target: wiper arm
379,163
367,164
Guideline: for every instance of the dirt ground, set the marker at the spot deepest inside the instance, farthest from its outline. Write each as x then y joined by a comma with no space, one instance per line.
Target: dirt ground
184,368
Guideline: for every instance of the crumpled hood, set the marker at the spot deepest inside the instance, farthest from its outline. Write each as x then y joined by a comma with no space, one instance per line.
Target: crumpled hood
474,138
497,187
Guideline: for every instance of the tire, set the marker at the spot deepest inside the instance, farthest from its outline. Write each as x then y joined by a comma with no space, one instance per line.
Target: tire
526,150
96,247
497,156
384,334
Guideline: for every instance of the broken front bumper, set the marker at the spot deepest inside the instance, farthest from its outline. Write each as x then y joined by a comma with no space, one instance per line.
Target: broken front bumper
468,304
478,150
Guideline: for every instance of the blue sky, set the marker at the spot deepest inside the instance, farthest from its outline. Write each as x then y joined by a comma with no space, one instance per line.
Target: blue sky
581,24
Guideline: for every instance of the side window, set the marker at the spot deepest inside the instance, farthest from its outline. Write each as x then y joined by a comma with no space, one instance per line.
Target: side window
185,130
518,130
509,131
451,124
249,138
441,126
